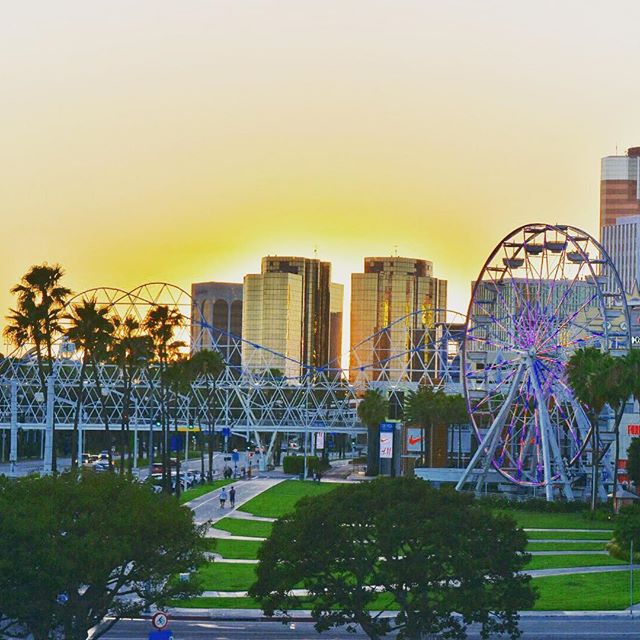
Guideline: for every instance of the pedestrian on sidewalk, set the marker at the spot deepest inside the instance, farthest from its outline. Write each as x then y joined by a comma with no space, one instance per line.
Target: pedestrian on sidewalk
232,497
223,497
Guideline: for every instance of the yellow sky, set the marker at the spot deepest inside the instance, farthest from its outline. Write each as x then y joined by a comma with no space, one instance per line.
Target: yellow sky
182,140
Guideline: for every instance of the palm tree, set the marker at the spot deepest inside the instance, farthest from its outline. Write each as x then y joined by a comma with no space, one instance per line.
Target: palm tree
89,331
208,365
587,374
372,410
36,319
161,323
427,408
130,351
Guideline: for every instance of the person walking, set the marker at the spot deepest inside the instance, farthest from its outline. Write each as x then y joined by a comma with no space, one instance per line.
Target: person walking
232,497
223,497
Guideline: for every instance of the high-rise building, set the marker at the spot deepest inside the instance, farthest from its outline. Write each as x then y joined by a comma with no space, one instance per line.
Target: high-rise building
291,308
396,300
621,241
216,320
620,186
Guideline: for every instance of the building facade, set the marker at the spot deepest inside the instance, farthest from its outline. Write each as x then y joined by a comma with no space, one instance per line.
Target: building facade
620,187
621,241
216,319
396,300
291,308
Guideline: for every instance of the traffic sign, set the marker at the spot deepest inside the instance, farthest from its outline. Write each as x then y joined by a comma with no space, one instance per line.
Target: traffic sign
166,634
160,620
226,431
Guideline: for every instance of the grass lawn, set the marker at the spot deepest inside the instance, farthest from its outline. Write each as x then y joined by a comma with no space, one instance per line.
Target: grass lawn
238,527
216,603
279,500
566,546
201,489
232,549
535,519
556,562
568,535
585,592
220,576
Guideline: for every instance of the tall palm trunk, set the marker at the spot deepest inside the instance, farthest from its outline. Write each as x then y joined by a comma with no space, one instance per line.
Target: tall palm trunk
103,408
76,416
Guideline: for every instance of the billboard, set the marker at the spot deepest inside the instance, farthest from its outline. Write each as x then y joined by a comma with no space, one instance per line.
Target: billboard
320,440
415,438
386,439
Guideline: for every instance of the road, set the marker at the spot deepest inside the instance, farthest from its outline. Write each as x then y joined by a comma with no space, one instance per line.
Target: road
574,627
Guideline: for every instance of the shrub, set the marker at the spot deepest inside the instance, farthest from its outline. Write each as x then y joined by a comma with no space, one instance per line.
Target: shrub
295,464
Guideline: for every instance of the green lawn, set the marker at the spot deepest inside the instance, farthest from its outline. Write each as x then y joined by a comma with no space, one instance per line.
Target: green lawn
568,535
220,576
281,499
200,490
216,603
536,519
232,549
239,527
566,546
556,562
586,592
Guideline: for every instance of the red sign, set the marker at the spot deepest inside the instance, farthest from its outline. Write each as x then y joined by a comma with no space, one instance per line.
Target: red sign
633,429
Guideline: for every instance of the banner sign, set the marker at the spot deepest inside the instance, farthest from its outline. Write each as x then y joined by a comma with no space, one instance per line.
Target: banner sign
414,440
320,440
386,439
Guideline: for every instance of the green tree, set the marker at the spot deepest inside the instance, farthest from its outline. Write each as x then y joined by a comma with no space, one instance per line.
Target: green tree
75,553
633,462
372,410
161,324
36,320
430,555
208,366
130,350
587,374
89,330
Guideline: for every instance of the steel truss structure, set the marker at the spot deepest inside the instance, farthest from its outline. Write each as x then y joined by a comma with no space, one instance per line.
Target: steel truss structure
545,291
252,397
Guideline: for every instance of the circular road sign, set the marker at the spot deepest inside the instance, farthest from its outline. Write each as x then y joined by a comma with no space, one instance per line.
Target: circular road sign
160,620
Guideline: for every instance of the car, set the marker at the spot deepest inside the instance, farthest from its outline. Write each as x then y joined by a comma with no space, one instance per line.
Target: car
85,459
101,466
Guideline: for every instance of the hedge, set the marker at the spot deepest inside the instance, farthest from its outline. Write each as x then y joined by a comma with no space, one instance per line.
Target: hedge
295,464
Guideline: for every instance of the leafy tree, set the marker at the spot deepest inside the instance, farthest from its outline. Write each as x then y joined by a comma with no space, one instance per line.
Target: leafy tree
90,330
430,555
131,351
80,552
36,320
161,323
372,410
587,373
633,462
208,365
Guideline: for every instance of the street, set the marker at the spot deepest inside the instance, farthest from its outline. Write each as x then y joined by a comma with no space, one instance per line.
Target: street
535,627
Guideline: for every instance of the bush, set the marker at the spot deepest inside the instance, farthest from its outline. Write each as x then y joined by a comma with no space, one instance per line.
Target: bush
627,530
295,464
603,512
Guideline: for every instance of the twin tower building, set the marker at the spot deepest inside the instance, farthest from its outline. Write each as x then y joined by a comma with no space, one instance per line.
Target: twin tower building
290,315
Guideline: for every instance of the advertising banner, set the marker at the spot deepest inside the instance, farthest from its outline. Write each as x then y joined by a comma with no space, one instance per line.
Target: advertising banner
414,440
320,440
386,439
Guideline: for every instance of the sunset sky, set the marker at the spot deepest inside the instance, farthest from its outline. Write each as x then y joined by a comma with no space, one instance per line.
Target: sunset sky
182,140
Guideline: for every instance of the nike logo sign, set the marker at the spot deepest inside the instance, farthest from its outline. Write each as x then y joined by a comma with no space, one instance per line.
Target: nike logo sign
414,439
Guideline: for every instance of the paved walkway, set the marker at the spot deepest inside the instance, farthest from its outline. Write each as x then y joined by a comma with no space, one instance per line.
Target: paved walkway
609,531
569,553
567,540
544,573
207,507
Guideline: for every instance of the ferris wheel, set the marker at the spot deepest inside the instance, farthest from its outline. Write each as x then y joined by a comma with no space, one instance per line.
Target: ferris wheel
545,291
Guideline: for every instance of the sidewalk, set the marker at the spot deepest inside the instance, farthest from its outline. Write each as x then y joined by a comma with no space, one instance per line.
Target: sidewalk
207,507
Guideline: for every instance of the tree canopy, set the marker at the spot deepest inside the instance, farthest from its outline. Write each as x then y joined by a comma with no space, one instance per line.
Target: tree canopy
397,546
74,550
372,410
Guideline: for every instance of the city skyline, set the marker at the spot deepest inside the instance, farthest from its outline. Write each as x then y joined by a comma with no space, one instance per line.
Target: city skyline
180,143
